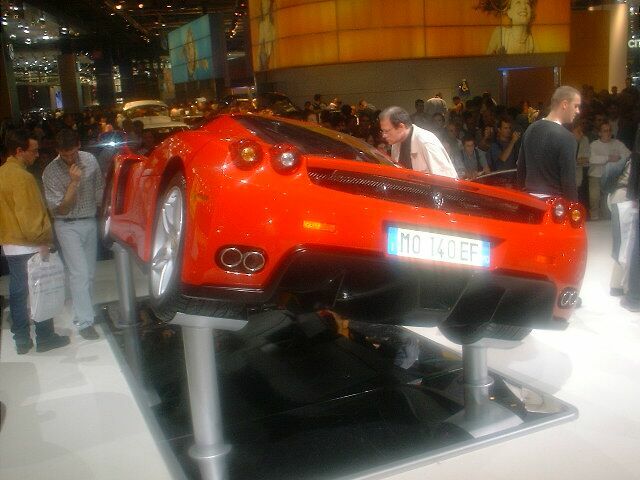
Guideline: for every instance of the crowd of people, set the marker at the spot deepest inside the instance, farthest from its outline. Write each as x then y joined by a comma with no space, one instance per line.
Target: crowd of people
58,160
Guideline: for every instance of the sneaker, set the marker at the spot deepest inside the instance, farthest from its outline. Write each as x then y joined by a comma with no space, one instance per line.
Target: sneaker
89,333
52,341
616,292
23,348
629,305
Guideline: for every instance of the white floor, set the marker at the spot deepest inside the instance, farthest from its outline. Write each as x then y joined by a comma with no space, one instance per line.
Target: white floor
71,415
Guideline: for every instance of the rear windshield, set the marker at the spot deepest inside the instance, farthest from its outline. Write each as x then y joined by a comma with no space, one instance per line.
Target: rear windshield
313,140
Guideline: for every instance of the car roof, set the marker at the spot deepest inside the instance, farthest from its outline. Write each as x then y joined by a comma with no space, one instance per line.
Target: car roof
139,103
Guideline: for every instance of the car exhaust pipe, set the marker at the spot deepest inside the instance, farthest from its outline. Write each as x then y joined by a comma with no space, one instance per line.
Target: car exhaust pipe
231,257
568,298
253,261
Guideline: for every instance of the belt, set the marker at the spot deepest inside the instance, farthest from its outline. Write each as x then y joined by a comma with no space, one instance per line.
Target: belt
74,219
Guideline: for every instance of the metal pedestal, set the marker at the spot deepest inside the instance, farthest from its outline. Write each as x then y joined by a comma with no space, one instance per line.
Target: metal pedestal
127,317
209,450
481,416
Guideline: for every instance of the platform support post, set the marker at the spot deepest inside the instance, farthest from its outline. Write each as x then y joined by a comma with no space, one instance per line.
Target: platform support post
482,416
127,319
209,450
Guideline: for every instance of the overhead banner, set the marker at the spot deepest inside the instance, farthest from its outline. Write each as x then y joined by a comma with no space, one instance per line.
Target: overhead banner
289,33
196,51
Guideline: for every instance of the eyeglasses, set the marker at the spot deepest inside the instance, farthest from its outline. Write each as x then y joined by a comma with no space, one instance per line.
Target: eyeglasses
387,130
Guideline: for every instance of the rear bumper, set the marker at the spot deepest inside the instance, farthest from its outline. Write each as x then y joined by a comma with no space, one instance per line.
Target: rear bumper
378,289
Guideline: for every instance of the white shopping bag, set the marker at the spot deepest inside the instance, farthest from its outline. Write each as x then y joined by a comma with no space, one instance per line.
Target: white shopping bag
46,286
628,225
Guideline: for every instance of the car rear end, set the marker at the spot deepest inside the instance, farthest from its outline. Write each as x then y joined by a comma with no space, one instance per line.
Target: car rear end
383,244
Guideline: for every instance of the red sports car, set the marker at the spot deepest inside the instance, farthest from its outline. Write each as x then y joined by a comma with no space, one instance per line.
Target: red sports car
253,212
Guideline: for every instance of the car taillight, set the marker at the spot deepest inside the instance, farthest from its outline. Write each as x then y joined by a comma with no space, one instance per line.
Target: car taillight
574,212
246,153
559,211
285,158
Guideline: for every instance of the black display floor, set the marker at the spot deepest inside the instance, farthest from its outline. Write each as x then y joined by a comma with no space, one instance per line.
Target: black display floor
299,400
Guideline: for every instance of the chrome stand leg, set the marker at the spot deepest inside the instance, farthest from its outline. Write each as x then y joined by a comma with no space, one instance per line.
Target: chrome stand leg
127,318
204,397
482,416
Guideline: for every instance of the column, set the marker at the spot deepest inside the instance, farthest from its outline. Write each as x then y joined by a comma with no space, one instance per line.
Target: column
69,82
9,107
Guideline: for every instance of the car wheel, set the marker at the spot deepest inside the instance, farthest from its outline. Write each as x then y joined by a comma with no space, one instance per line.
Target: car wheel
166,261
166,248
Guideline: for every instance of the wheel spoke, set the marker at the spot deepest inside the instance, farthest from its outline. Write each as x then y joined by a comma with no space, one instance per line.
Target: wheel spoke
166,242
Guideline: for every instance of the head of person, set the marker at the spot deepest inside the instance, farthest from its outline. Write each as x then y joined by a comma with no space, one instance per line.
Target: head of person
598,119
613,111
453,130
565,103
148,139
317,98
505,129
137,127
307,105
522,12
437,119
395,124
469,144
604,132
419,103
23,145
68,145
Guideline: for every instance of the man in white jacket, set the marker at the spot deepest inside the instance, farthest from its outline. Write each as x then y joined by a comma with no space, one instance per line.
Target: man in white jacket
414,147
605,149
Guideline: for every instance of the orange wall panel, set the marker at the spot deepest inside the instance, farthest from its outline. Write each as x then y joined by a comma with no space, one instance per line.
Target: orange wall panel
457,42
369,14
371,30
381,44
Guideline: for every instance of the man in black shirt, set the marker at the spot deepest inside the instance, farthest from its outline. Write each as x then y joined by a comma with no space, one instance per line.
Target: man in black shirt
547,159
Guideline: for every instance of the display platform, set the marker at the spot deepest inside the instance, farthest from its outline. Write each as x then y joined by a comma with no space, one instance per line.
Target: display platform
308,397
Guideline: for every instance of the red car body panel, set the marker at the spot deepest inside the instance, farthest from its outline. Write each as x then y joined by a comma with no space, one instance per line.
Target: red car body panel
284,213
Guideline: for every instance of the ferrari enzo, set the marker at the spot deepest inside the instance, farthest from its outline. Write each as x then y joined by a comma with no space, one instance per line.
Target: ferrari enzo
254,212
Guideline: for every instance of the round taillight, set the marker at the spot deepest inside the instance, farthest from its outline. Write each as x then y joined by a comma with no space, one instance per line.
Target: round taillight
576,216
285,158
559,211
246,153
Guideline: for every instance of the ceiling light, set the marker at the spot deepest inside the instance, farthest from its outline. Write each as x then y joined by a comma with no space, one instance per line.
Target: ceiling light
118,7
12,36
45,37
5,23
141,5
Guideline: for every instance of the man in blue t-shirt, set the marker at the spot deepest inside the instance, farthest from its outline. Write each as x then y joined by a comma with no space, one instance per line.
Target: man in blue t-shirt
503,153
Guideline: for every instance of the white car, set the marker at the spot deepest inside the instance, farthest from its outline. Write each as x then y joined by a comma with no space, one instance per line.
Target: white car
154,114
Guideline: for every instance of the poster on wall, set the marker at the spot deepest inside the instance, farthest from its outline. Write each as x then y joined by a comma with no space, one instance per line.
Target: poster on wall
191,51
288,33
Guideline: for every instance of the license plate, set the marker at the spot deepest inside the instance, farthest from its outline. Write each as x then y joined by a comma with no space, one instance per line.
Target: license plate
438,247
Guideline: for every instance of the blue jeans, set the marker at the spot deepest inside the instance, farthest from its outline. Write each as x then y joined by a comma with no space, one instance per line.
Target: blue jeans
79,245
633,293
19,302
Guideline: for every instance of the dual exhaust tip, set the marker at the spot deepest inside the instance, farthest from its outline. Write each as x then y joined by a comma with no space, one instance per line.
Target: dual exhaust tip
242,259
568,298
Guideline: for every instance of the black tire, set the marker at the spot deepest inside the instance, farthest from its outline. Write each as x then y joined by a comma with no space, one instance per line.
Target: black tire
165,297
